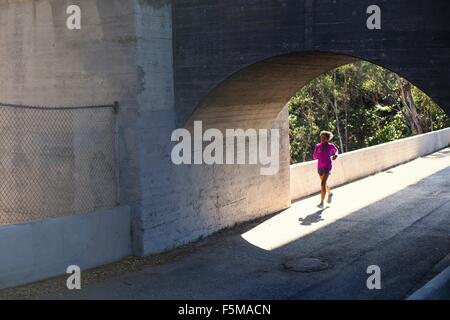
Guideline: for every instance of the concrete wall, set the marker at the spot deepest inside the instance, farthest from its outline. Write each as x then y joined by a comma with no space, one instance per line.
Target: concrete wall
364,162
157,206
124,52
62,162
180,204
43,249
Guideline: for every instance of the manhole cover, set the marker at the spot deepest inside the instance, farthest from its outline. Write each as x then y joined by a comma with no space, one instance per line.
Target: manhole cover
306,265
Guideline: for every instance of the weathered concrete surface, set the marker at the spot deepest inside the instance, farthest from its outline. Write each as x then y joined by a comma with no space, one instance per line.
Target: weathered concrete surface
397,220
43,249
179,204
214,41
155,123
364,162
44,63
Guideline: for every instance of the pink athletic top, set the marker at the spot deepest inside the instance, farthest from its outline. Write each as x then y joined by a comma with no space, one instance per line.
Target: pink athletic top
328,150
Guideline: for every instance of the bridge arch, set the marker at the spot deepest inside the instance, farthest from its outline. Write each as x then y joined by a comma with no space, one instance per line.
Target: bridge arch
254,96
222,55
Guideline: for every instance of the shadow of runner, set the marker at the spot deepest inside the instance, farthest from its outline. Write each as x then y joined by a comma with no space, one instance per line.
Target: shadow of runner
312,218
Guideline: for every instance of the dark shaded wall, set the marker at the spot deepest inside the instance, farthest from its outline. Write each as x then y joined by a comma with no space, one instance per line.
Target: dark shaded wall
215,39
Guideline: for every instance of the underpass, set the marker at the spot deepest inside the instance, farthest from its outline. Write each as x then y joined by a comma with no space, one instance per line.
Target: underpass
166,64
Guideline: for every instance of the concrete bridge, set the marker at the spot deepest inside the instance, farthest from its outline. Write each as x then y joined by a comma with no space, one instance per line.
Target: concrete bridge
232,64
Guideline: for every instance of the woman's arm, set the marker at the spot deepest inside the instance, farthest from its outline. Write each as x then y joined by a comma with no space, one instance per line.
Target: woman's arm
316,152
335,152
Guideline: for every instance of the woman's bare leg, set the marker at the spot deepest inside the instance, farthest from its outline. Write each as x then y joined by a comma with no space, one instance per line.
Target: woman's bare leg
330,194
323,184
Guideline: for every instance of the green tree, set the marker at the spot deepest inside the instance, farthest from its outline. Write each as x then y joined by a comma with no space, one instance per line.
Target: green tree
364,105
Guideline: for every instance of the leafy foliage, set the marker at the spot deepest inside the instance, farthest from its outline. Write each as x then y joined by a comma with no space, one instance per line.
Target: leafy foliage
363,105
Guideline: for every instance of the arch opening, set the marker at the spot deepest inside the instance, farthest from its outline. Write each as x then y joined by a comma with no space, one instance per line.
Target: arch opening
364,105
254,98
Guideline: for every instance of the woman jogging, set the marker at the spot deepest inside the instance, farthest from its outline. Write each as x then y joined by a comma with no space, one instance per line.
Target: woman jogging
324,152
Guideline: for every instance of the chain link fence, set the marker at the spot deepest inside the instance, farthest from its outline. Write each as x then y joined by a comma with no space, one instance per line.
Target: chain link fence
56,161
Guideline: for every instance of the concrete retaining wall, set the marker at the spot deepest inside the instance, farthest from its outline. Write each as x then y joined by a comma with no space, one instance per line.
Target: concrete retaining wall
60,163
43,249
361,163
